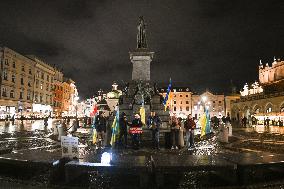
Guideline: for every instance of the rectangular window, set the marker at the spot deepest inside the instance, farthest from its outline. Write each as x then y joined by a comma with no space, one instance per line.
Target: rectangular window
186,95
47,77
29,83
180,95
180,102
4,91
36,98
175,109
5,74
14,64
175,102
180,108
22,81
13,78
40,97
37,74
36,83
42,75
21,94
29,95
30,71
12,94
6,62
187,102
23,68
187,108
219,102
47,87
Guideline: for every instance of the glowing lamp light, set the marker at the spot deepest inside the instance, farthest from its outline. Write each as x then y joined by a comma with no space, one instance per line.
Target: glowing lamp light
106,158
204,98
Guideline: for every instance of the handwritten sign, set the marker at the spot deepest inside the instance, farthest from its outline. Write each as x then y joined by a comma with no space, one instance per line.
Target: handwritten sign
69,146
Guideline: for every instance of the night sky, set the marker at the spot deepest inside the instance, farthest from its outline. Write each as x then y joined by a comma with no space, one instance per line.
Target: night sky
202,44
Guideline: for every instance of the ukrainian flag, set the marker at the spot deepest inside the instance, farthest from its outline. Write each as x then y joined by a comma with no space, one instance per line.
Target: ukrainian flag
205,123
115,128
168,95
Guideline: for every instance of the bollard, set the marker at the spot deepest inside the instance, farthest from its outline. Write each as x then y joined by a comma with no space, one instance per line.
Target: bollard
60,132
230,129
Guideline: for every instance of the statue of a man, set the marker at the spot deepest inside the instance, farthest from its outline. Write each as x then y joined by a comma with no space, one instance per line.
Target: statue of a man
141,35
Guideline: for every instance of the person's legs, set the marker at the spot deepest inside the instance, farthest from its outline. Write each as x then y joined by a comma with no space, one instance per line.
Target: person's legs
125,138
153,138
187,138
192,138
157,139
177,138
173,138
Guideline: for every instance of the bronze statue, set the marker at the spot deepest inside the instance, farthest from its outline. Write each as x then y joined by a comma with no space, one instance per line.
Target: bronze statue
141,35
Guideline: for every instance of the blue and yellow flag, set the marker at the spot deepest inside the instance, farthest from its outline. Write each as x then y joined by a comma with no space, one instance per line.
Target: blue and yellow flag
204,122
168,96
115,128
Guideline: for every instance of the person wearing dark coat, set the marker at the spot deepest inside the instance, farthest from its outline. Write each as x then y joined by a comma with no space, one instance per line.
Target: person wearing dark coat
100,124
154,122
136,123
189,126
123,123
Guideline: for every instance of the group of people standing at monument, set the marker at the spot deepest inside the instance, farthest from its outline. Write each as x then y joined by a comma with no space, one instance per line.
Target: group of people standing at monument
133,130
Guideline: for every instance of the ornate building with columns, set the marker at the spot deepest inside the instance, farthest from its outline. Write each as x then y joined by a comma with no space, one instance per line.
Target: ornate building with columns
263,99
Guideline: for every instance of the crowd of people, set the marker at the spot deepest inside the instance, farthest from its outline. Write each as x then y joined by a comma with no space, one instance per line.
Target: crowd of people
132,129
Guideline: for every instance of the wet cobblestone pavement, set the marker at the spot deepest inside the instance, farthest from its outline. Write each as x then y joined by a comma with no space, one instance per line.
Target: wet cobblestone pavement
245,139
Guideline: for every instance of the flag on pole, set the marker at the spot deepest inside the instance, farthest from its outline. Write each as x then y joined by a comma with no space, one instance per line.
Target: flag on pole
115,128
142,114
205,123
167,95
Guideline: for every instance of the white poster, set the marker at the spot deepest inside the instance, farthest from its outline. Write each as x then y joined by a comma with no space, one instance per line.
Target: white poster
69,146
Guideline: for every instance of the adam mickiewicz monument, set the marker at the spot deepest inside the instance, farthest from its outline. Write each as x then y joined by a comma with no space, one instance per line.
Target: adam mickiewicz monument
141,91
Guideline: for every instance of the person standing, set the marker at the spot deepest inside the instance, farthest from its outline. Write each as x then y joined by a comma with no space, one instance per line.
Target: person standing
175,132
136,124
123,123
154,122
100,128
189,126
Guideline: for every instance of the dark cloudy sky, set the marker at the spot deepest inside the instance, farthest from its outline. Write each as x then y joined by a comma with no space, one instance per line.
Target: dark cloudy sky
198,43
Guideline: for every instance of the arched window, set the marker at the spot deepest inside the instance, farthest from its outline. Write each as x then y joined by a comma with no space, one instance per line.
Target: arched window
282,108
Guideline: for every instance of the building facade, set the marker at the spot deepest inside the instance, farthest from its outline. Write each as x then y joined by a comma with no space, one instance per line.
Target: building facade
43,87
58,93
266,101
17,82
183,102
